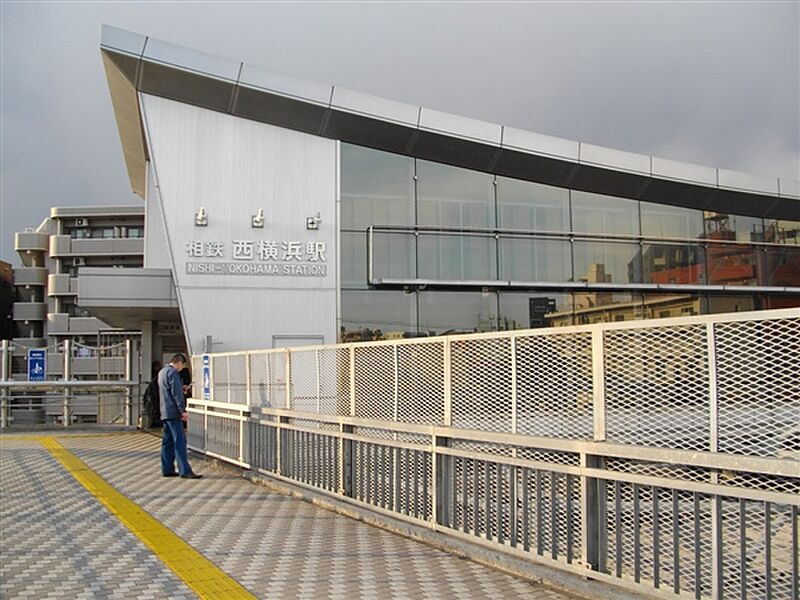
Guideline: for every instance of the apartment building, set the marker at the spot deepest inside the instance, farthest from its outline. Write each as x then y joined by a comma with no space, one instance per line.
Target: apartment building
46,311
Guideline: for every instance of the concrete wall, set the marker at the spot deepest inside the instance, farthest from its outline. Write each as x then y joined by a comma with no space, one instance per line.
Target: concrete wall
232,167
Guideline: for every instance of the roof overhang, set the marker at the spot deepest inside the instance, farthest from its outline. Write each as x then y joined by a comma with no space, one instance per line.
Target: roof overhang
136,63
126,297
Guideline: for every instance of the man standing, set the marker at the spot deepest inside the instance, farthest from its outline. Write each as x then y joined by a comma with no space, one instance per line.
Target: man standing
173,411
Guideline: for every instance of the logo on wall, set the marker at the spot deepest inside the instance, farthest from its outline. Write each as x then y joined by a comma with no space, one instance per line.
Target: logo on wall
258,257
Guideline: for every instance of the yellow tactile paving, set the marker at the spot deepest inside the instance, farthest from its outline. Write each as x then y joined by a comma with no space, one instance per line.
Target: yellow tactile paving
201,575
36,438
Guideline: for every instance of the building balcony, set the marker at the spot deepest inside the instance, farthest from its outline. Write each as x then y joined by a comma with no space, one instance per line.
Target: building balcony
86,325
62,285
60,245
89,247
57,323
64,246
87,367
30,276
30,311
23,343
33,241
31,247
62,323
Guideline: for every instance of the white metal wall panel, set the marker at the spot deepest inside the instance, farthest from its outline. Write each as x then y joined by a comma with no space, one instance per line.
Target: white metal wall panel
156,250
233,167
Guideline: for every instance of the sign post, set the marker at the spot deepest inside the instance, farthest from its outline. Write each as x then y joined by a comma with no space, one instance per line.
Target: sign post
37,364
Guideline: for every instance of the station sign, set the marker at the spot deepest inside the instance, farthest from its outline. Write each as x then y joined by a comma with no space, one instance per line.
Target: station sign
206,377
282,258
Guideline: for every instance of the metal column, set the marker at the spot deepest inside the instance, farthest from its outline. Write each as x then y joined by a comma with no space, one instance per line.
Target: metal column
67,376
5,370
128,377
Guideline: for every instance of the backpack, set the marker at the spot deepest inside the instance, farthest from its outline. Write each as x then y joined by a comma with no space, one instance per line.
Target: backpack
152,403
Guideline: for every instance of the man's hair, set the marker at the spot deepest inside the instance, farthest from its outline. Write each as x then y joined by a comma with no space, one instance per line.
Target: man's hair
178,358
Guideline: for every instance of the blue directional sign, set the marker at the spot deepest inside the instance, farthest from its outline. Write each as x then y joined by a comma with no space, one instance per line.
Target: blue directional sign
37,365
206,377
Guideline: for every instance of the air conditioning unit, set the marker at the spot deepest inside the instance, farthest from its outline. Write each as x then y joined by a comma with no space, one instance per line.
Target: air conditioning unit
78,261
81,222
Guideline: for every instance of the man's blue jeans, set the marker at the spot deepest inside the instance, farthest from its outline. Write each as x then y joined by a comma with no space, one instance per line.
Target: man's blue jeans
173,443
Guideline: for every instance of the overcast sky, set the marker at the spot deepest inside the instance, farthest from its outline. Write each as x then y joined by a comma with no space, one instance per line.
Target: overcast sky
709,83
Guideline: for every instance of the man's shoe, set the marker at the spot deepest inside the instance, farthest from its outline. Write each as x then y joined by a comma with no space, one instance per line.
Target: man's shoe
169,474
192,476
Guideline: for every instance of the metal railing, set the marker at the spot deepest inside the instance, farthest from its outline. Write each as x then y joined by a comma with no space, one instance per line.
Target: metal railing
69,400
54,403
663,456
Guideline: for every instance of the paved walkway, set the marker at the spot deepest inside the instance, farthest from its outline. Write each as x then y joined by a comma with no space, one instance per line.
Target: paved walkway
58,541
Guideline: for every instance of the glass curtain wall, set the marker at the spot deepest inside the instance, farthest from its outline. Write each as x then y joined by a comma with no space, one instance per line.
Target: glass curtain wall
438,225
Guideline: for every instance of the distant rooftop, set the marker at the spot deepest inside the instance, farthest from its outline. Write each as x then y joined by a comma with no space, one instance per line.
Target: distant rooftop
58,212
136,63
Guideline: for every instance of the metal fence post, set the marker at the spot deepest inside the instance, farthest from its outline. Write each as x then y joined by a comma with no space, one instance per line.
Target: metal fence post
346,447
288,374
5,362
67,377
598,385
319,380
716,508
448,391
248,381
592,509
593,497
243,416
243,423
128,377
443,482
347,465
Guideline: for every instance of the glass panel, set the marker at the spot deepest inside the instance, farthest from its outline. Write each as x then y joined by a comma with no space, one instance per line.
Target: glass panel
532,206
607,307
725,304
454,197
103,232
353,257
667,306
377,188
607,262
721,226
782,266
594,213
673,263
783,232
457,312
457,257
394,257
660,220
377,315
781,302
535,259
532,310
732,264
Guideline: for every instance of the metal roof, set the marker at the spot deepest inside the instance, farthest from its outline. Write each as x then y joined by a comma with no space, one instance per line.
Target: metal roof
135,63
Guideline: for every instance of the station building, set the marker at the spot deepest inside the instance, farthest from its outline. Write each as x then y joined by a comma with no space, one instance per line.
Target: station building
282,212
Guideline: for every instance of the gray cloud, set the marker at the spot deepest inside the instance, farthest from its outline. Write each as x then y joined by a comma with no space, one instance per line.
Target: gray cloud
715,84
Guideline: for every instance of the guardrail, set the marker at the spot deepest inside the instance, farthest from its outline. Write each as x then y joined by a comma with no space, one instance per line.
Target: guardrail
68,402
661,456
